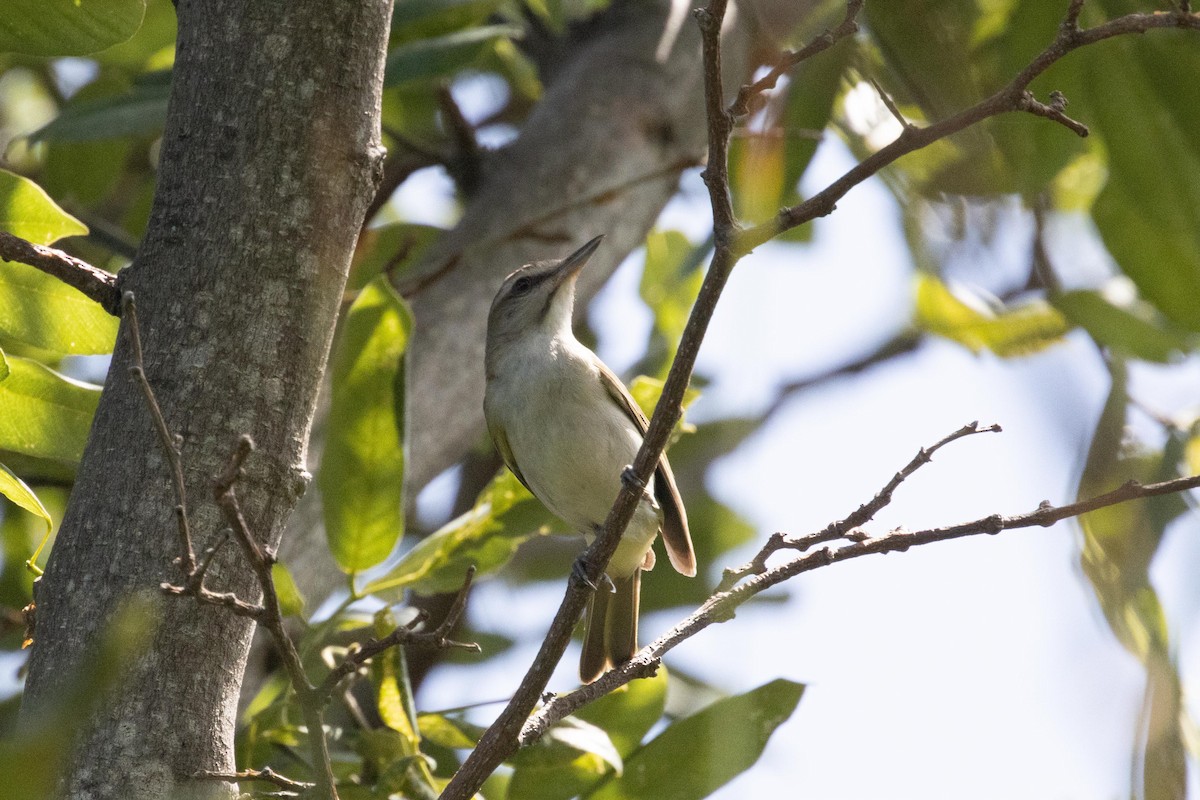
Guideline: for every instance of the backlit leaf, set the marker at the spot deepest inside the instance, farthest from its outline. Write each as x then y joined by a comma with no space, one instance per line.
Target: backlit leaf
44,414
27,211
362,467
504,516
1016,331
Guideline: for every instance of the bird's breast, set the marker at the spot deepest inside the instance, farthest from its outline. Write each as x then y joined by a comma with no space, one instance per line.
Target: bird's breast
570,441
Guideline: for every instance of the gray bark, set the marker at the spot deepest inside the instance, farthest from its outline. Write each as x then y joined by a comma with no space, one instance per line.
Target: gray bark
269,158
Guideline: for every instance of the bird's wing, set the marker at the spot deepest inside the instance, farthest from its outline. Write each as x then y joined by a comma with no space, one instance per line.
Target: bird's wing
675,526
501,441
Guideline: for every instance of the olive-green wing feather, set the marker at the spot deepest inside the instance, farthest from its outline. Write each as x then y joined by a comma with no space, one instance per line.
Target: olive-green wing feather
501,441
675,526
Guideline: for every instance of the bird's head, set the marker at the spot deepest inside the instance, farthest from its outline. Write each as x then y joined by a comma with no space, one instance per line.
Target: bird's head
538,298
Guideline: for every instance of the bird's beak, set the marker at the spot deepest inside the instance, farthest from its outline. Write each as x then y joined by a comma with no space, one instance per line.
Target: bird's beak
569,267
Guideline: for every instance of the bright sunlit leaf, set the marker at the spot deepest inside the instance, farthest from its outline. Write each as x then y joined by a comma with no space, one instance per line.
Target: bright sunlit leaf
27,211
1016,331
362,467
44,414
504,516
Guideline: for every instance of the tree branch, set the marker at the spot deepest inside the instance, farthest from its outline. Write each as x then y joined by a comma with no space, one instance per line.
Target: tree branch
94,282
266,775
170,445
721,605
1013,97
505,735
849,26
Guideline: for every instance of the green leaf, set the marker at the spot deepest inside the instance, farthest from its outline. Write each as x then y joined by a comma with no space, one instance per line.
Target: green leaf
390,673
646,391
1145,212
362,467
697,755
1120,541
44,414
1017,331
43,312
671,280
505,515
442,56
424,19
570,757
457,734
291,601
139,112
629,713
389,248
17,491
1136,329
27,211
67,27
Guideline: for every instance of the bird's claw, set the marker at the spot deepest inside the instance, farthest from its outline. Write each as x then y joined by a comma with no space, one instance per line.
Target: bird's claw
631,480
579,573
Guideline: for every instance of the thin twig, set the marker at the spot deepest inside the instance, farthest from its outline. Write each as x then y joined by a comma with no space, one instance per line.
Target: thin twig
171,448
721,605
1010,98
94,282
788,60
890,104
846,526
405,636
266,775
261,559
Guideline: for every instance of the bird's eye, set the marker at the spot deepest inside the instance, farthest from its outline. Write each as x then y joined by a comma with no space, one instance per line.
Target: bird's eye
522,285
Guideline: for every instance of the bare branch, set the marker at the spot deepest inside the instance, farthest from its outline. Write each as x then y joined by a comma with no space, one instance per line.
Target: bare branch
788,60
404,636
721,605
1010,98
266,775
890,105
845,527
171,448
94,282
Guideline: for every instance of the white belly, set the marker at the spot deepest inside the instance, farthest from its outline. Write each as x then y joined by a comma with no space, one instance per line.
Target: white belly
571,441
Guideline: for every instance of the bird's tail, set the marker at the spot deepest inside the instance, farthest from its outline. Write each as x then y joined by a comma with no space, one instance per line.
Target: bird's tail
610,629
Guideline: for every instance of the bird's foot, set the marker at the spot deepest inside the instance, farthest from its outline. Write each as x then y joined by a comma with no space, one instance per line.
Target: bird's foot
579,573
631,480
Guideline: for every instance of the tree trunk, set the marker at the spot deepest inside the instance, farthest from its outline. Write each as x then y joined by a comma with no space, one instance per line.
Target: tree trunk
269,158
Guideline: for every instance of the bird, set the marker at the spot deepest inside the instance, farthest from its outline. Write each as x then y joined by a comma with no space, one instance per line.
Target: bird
567,427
